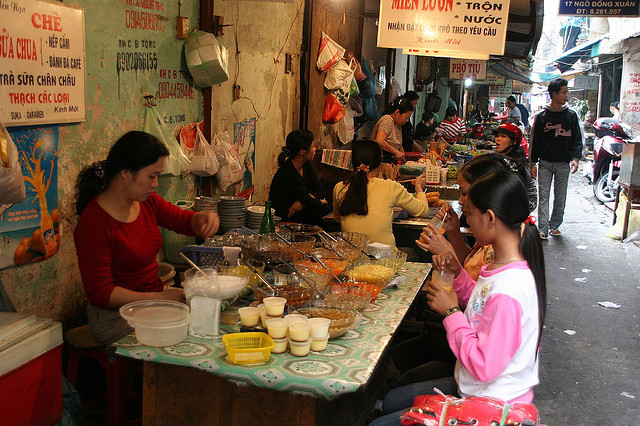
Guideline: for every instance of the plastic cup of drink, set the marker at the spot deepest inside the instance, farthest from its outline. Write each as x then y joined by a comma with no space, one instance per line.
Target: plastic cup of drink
319,327
277,328
444,279
438,224
249,316
274,305
299,331
295,317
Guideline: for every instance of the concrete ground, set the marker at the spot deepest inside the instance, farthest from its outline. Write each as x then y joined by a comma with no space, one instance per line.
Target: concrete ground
592,376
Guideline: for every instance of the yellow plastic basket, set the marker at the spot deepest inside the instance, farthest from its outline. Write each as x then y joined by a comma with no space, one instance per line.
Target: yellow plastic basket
248,348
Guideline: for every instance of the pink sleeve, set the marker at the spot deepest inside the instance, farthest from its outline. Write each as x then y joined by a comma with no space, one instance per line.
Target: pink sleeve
487,351
463,284
173,217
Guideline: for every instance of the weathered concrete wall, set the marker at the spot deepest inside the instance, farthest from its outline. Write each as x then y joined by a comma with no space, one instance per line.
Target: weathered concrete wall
53,288
630,86
261,35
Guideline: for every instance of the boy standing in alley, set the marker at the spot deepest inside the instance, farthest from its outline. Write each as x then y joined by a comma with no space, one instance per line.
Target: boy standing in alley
556,147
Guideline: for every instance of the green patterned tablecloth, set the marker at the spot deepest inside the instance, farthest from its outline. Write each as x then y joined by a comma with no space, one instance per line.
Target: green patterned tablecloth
343,367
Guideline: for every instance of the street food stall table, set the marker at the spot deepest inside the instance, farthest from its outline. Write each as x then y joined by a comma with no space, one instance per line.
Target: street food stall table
195,382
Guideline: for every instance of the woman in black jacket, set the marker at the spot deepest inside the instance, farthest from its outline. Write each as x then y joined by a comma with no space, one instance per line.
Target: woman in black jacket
296,193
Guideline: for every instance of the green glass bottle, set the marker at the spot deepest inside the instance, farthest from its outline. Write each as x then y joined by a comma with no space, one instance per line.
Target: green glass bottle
267,225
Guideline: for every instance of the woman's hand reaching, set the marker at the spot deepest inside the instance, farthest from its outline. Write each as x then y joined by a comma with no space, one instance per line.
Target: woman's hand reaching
447,261
295,208
433,241
205,223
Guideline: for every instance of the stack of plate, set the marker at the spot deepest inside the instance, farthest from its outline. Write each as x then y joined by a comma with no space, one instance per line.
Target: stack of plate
254,217
232,213
206,203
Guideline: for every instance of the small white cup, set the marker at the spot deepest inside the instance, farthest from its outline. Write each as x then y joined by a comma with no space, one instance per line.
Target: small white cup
295,317
279,345
299,331
319,344
274,306
300,348
277,328
319,327
249,316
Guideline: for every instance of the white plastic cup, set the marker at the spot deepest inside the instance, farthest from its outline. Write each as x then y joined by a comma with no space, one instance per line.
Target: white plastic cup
444,279
299,331
277,328
319,344
300,348
274,305
295,317
249,316
319,327
279,346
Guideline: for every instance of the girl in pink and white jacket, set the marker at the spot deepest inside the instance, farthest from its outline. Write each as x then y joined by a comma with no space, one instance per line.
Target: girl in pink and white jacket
493,324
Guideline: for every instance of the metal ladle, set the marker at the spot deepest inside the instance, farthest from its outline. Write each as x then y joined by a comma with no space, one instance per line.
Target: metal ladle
369,255
259,275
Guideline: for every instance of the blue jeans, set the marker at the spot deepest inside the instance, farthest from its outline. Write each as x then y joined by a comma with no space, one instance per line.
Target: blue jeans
558,172
401,398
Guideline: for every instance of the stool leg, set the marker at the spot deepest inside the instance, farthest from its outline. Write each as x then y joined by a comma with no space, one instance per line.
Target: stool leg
116,381
73,363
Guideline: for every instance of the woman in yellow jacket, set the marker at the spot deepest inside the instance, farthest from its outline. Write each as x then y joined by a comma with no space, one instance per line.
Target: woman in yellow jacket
364,203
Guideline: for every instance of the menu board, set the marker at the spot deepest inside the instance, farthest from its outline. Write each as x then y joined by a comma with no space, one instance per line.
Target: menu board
444,25
42,63
460,69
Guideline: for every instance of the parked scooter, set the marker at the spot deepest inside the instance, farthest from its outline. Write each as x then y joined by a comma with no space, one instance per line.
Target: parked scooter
603,170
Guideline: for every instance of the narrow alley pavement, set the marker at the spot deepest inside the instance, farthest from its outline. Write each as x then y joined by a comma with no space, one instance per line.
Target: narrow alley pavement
590,360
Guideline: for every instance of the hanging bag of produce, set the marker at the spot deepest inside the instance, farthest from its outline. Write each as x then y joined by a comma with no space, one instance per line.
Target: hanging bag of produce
207,59
333,110
12,189
329,54
340,75
204,161
177,163
231,171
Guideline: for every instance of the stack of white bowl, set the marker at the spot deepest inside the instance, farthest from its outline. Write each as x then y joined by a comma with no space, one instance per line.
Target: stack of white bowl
255,215
232,213
206,203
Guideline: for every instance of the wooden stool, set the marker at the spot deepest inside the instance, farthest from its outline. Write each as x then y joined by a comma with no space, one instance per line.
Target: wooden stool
633,203
81,343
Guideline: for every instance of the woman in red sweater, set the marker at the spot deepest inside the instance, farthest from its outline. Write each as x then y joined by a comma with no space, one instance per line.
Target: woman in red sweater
117,236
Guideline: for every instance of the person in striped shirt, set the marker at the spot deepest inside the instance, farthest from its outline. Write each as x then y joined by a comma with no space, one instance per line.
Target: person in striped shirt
452,127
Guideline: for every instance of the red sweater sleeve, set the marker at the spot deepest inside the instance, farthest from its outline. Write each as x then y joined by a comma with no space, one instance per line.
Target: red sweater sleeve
171,216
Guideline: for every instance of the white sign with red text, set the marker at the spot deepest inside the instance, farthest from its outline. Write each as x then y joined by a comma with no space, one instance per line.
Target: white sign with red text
469,26
461,69
445,54
42,63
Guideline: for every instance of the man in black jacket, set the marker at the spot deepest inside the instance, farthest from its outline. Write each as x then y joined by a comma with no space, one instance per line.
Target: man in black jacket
556,143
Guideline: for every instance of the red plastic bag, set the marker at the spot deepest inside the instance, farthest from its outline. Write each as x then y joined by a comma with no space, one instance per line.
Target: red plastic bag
430,409
333,110
329,54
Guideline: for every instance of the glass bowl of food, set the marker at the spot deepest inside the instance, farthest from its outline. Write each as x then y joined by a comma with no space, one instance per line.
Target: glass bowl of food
359,239
290,286
395,260
365,279
341,319
347,296
267,247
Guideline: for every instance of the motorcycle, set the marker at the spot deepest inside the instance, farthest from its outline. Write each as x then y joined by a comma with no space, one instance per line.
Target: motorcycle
602,172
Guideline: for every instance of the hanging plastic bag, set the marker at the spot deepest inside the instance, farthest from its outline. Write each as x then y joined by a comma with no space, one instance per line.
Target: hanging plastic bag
345,127
230,171
395,88
355,104
177,163
358,74
339,76
333,110
370,108
368,85
207,59
353,88
204,161
329,54
12,189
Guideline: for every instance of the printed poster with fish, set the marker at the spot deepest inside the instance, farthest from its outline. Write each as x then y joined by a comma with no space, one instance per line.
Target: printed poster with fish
30,231
244,137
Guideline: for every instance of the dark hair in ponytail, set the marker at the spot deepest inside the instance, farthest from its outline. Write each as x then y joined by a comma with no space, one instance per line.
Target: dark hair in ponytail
133,151
365,156
504,193
400,104
297,140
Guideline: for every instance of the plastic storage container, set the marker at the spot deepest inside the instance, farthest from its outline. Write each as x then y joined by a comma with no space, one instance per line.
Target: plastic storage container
157,322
